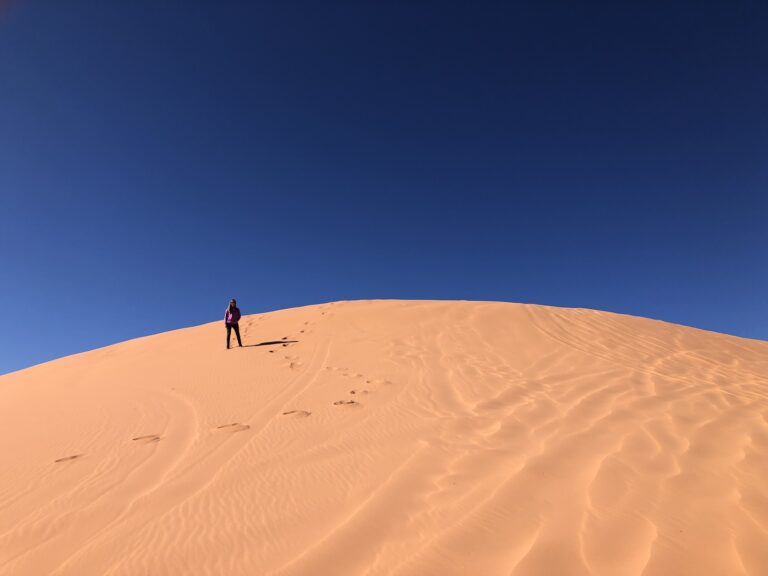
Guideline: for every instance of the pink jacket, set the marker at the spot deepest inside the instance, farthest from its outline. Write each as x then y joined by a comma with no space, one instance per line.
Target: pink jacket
232,317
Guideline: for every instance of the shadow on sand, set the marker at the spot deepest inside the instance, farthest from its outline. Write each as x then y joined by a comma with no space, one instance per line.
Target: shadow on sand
271,343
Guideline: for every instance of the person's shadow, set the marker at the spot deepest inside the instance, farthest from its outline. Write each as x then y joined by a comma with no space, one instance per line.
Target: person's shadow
270,343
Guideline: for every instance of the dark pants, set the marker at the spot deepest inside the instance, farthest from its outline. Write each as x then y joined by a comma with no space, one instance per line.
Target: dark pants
237,333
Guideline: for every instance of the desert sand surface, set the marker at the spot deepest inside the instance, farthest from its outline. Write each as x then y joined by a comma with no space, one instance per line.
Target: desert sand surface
405,438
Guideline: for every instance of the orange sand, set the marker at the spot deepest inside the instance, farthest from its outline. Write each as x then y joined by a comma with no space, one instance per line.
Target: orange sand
393,437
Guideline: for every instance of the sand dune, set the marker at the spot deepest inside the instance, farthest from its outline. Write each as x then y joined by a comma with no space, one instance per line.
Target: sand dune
405,438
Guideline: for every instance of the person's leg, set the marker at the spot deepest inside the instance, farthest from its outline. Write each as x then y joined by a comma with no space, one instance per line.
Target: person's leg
237,333
229,333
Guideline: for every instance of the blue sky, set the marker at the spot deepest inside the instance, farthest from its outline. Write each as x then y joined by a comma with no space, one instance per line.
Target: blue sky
159,158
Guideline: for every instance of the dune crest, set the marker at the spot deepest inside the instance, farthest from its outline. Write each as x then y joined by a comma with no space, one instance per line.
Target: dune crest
405,438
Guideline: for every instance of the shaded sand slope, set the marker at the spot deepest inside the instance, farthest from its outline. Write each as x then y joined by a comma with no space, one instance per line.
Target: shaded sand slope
393,437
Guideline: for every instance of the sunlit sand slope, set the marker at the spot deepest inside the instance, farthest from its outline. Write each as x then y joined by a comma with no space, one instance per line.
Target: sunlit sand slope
409,438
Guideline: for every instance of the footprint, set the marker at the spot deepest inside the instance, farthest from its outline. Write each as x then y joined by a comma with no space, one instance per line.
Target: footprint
149,438
66,458
344,402
234,427
358,391
272,351
298,413
284,338
294,365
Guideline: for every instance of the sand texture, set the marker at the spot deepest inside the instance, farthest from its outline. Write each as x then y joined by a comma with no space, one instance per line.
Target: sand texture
409,438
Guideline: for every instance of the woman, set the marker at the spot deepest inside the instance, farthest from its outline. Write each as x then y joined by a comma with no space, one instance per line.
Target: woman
231,318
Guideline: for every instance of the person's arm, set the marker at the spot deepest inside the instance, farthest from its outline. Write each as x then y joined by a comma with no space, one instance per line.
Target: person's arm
225,315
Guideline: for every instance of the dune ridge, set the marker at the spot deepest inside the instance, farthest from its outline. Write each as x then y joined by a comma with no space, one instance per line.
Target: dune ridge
393,438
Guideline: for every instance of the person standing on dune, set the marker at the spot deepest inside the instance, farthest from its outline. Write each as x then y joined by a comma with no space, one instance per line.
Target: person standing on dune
231,319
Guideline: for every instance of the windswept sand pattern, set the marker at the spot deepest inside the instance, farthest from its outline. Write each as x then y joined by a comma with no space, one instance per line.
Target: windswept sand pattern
393,438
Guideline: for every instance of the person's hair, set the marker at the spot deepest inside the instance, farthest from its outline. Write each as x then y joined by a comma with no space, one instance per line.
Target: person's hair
232,305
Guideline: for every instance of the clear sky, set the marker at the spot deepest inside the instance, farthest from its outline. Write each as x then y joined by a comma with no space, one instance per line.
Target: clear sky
158,158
